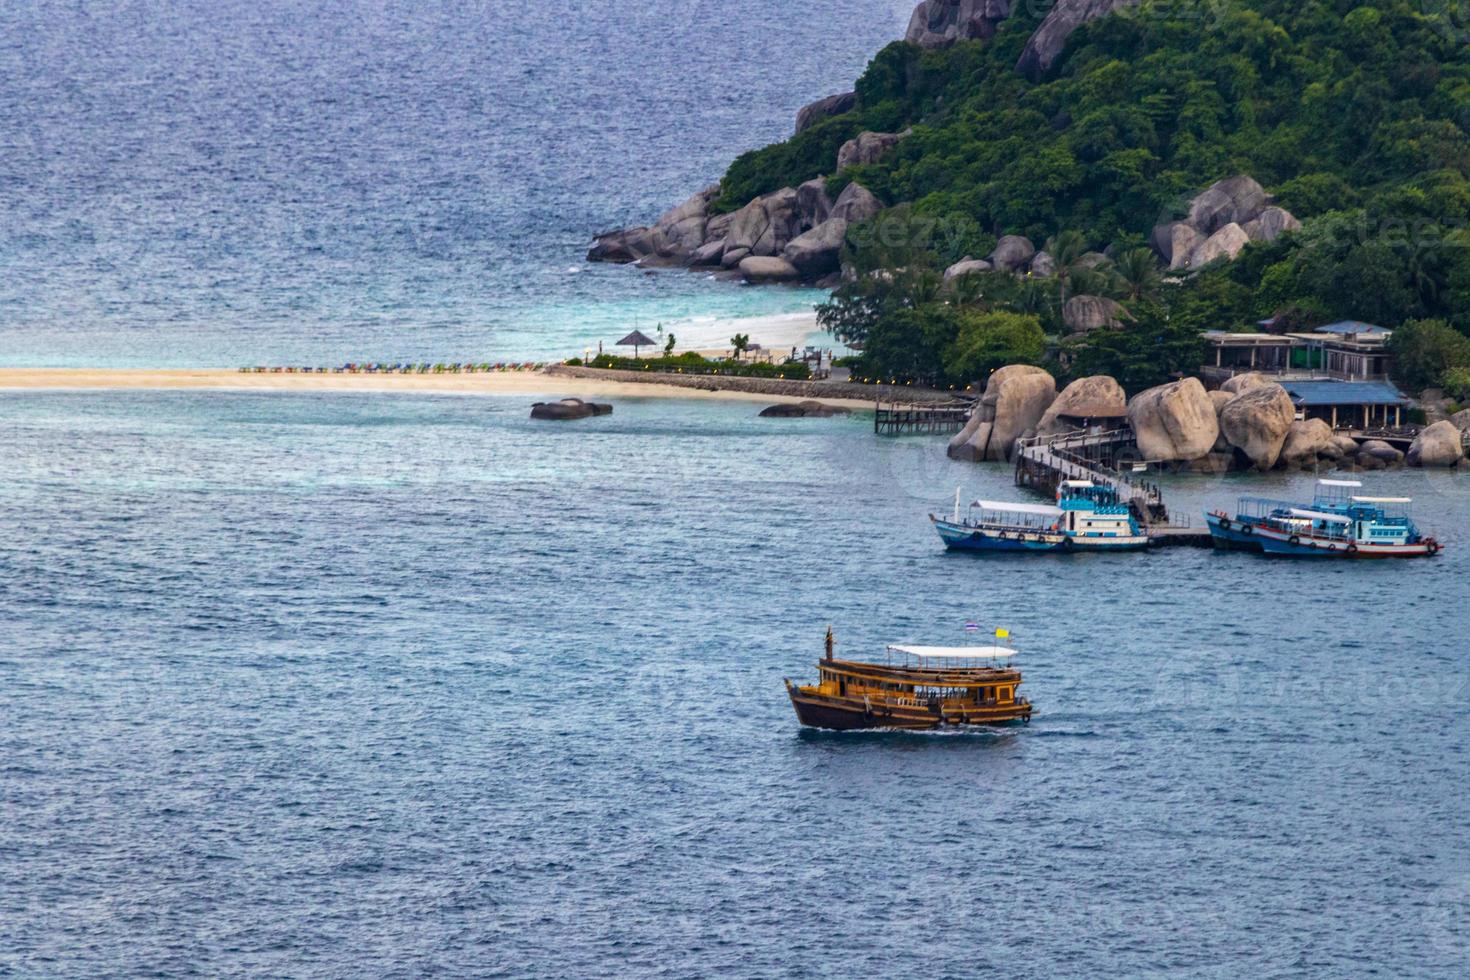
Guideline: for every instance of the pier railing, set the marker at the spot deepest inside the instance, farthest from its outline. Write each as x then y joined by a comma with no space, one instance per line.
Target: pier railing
1043,462
912,417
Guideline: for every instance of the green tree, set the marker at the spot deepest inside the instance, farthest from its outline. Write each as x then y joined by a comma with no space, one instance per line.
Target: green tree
741,343
1424,351
985,342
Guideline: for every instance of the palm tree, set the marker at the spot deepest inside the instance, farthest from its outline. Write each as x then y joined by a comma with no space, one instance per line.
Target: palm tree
741,342
1139,273
1065,249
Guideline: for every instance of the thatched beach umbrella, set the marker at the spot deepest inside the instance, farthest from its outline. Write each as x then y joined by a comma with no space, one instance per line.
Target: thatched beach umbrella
635,340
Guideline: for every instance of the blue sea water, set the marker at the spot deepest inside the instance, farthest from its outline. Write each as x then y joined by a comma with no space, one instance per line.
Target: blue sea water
340,685
190,183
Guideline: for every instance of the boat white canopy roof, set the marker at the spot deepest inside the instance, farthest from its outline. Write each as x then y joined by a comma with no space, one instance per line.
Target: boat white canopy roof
1077,483
1383,500
955,653
1046,509
1340,483
1317,515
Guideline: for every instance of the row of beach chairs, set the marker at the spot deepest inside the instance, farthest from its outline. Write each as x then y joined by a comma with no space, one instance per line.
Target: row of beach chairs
466,368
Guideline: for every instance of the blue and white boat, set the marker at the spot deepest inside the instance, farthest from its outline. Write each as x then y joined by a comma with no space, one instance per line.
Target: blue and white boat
1086,517
1338,523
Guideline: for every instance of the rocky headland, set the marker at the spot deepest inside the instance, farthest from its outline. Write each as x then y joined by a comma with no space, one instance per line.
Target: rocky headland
1248,424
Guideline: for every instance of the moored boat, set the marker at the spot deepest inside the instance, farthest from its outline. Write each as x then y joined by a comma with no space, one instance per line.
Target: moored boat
1086,517
915,688
1338,523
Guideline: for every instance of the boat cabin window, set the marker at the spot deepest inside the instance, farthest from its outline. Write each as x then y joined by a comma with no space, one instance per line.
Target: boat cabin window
1005,694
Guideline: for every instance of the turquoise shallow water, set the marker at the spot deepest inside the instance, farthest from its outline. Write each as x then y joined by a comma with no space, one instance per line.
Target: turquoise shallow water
333,684
189,183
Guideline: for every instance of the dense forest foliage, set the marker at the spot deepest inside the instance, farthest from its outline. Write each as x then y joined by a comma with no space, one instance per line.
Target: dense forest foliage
1353,114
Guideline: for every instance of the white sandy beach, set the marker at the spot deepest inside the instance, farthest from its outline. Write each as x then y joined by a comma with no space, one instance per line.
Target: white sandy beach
532,384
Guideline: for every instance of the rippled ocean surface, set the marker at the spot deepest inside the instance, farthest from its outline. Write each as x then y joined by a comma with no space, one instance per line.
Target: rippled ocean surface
339,685
192,183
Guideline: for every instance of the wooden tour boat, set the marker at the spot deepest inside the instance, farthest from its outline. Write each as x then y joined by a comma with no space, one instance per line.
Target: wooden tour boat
916,688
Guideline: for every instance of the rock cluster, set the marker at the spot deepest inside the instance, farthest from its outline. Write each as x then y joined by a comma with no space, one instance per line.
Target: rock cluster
1015,400
940,23
1220,221
792,233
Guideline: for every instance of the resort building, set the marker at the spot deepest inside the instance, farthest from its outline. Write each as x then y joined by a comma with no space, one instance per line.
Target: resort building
1337,373
1345,351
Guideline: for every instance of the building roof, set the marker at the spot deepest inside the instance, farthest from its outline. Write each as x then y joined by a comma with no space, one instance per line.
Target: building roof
954,653
1351,326
1344,393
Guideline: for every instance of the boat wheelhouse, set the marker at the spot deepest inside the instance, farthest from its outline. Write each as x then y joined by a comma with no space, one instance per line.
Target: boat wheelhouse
1338,523
915,688
1086,517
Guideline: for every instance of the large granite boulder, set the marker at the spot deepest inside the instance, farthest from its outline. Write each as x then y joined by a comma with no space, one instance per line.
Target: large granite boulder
1461,419
1345,447
1083,313
568,409
866,147
1307,442
1270,225
1012,253
1375,454
1049,39
833,105
709,253
767,268
1220,398
1176,242
765,225
1015,399
1095,397
622,245
1234,200
856,203
813,206
681,230
939,23
1256,422
1223,244
1437,445
1042,264
1174,422
1244,382
819,251
964,267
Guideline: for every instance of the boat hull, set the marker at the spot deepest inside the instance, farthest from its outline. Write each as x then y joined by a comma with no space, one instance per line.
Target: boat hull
848,714
1231,535
1283,545
1238,535
961,537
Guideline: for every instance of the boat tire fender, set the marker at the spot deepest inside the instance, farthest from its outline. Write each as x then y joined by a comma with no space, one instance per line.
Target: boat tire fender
1247,529
1225,524
1432,548
1294,540
1352,548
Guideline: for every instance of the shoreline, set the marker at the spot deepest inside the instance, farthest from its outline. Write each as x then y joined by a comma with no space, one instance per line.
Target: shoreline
529,383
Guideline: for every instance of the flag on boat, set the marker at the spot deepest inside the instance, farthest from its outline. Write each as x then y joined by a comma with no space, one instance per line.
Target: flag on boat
971,626
1003,633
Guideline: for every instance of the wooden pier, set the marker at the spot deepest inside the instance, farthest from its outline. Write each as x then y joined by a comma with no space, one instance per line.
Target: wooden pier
918,417
1042,463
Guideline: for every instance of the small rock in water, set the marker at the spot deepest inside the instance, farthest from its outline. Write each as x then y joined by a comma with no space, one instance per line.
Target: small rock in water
568,408
806,409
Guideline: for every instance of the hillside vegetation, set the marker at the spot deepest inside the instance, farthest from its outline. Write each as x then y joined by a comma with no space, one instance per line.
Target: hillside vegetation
1353,114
